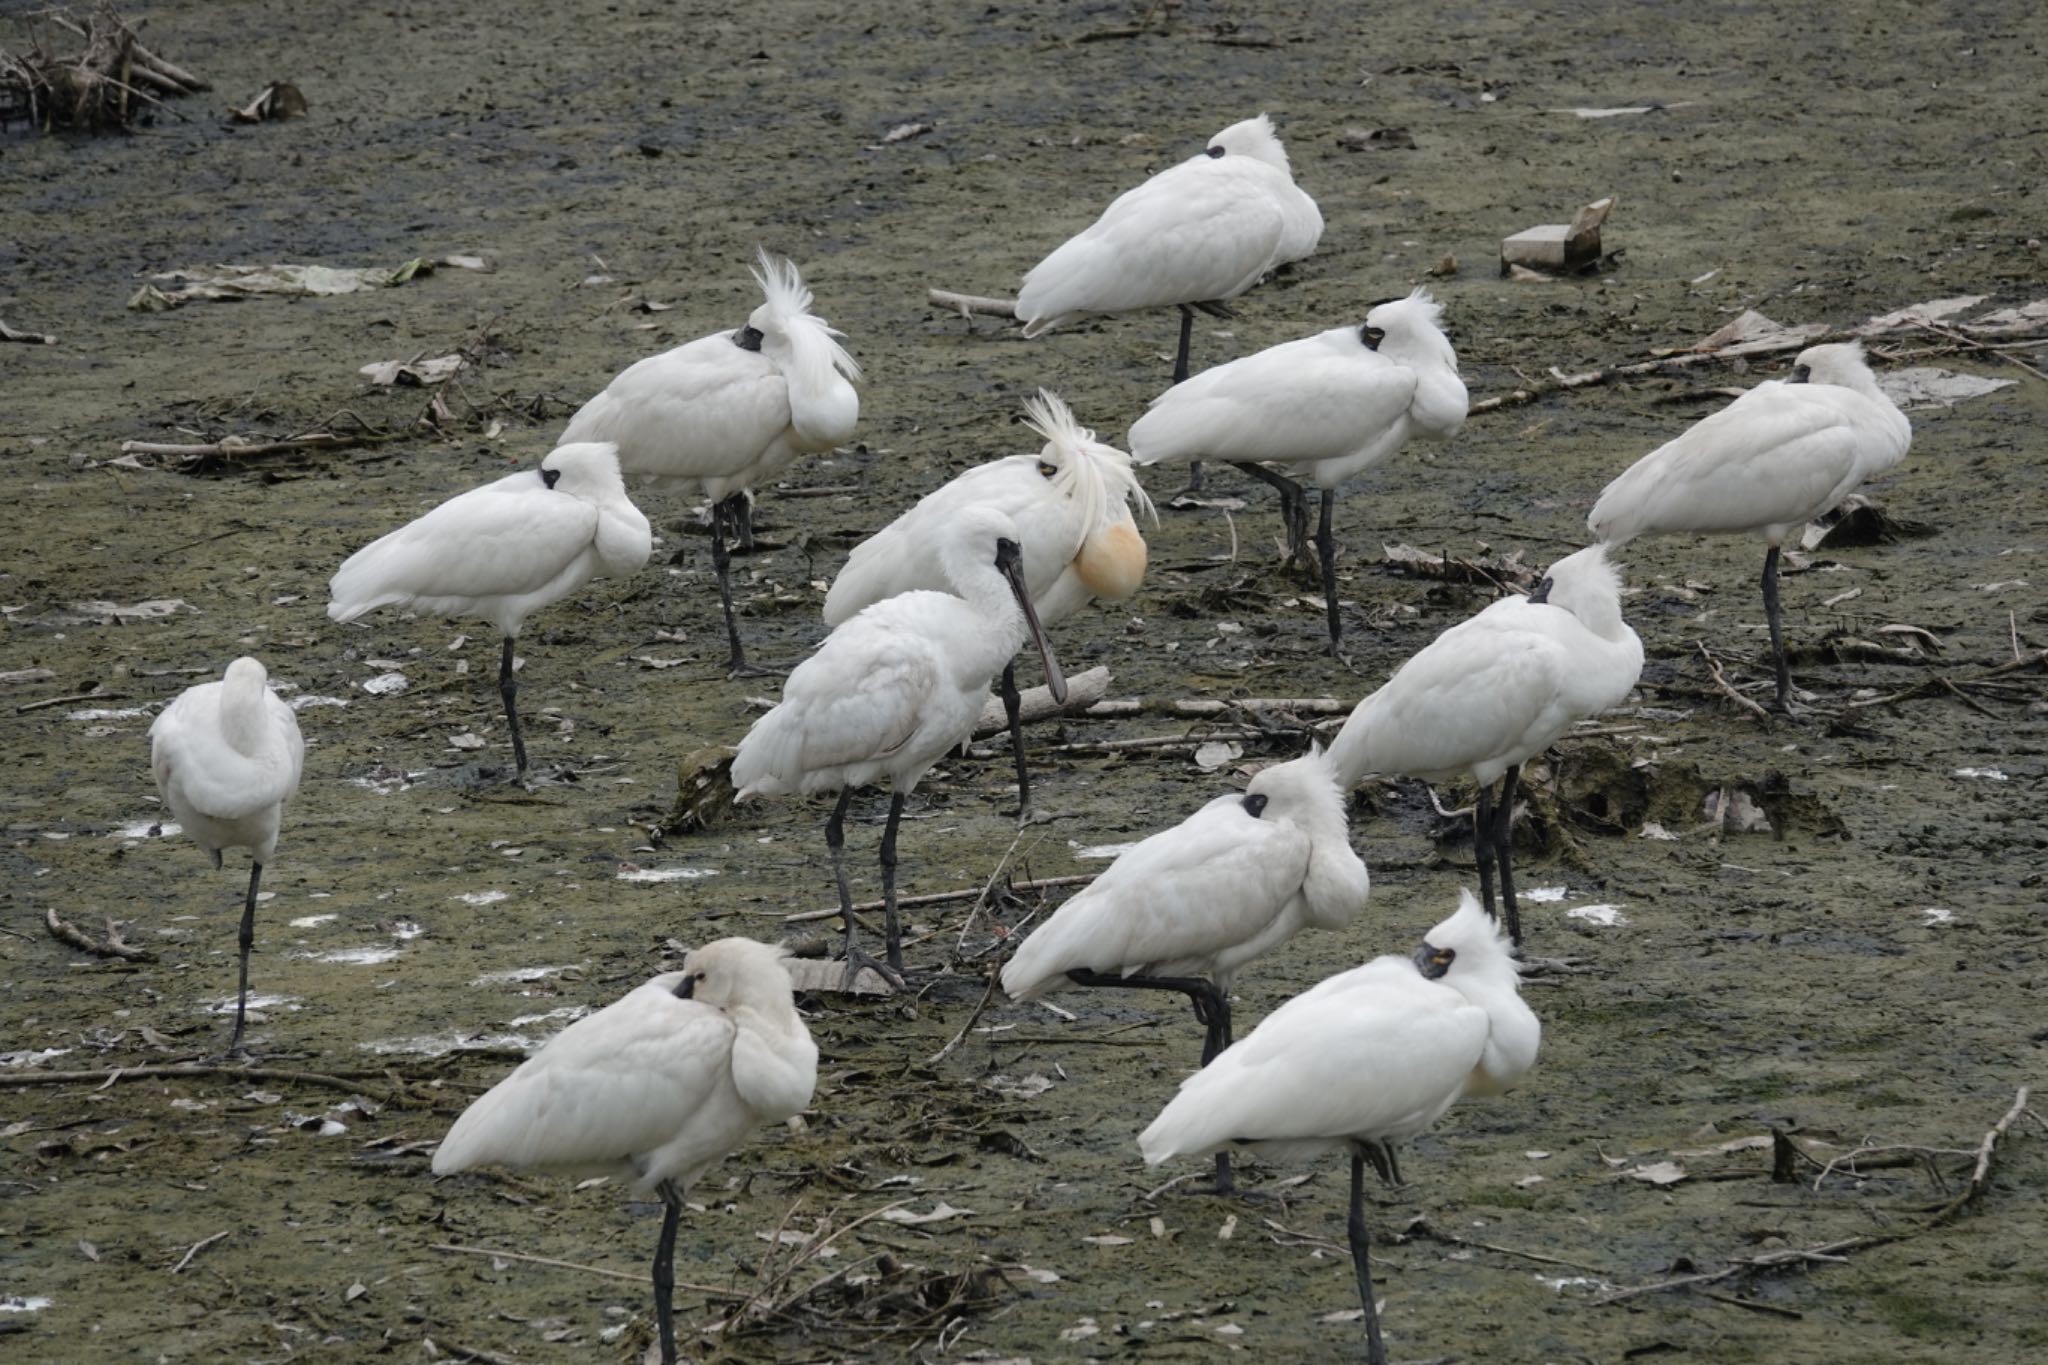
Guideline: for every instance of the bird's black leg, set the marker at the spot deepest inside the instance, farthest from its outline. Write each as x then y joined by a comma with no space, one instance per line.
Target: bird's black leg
1013,708
743,521
509,690
1504,848
1784,701
1482,847
1212,1011
1180,372
721,560
890,927
1293,506
1326,547
247,940
1361,1262
665,1272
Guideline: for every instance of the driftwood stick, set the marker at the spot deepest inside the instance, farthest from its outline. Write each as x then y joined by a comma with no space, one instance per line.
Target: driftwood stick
1727,689
78,938
1200,707
32,338
97,694
235,445
1959,339
193,1250
1564,382
12,1080
965,893
967,305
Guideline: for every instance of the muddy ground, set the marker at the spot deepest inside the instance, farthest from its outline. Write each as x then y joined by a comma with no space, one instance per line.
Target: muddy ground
1820,166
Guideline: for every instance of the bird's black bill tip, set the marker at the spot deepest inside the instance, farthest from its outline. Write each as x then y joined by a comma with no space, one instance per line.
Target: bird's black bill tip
1433,961
1541,592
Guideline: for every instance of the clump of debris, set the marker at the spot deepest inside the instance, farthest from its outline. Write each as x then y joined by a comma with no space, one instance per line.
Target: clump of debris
85,70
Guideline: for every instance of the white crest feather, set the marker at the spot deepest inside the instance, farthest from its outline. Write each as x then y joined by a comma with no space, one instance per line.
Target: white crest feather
788,301
1096,476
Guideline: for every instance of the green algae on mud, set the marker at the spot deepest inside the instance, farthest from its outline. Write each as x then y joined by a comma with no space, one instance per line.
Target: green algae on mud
1821,168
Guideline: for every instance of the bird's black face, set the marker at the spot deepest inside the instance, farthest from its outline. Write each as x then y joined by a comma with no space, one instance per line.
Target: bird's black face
687,987
1802,374
1541,592
1046,471
1009,555
747,338
1213,153
1433,961
550,477
1255,803
1372,336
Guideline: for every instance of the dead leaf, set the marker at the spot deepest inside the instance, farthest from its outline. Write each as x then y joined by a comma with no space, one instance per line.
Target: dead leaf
277,100
1658,1173
1917,387
1934,310
1107,1239
1216,753
1753,332
939,1214
414,373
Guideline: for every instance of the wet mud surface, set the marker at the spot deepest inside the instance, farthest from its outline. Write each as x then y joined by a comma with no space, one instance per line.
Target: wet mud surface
1871,971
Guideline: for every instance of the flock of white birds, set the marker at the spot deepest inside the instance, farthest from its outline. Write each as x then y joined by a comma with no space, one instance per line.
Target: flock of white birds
933,609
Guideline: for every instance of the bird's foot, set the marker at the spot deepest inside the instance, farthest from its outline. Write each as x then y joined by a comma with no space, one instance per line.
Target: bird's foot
859,960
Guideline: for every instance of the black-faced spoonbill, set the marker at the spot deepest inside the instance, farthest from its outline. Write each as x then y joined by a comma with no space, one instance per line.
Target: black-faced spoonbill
1770,462
1071,502
892,690
654,1088
1187,908
1492,692
1193,235
226,756
1332,405
503,551
1365,1060
728,412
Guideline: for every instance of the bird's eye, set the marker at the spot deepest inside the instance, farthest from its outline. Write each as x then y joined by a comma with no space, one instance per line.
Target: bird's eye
1048,470
551,477
1372,336
1255,805
1214,152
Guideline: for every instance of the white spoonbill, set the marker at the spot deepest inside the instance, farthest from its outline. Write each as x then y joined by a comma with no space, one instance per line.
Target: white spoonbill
892,690
1333,405
726,413
226,756
503,551
654,1088
1193,235
1770,462
1187,908
1367,1059
1071,502
1492,692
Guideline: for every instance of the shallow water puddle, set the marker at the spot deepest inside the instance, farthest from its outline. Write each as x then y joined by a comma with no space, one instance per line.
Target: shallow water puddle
629,873
16,1303
522,975
147,829
1102,850
313,921
353,957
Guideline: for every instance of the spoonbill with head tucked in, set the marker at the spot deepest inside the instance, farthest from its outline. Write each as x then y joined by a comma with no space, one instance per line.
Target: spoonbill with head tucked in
654,1088
1333,404
1193,235
726,413
1187,908
1367,1059
892,690
1770,462
503,551
1492,692
226,757
1071,502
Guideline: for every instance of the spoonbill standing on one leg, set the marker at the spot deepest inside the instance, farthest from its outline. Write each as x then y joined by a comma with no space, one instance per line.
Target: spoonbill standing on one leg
1187,908
1071,505
654,1088
1492,692
1193,235
726,413
1770,462
1336,404
892,690
504,551
226,756
1367,1059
